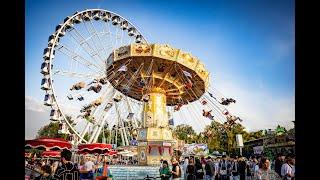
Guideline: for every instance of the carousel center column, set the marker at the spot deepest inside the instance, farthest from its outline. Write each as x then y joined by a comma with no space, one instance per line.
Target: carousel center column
155,137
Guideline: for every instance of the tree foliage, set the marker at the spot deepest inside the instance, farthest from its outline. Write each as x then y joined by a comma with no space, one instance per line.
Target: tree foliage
216,137
184,132
51,130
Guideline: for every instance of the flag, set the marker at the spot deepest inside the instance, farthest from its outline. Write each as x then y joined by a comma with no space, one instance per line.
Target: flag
130,116
171,122
187,74
123,68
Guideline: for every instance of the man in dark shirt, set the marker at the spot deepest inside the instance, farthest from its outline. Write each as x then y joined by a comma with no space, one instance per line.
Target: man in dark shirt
242,168
67,171
278,164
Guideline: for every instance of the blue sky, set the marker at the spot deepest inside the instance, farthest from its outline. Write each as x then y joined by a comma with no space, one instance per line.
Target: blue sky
248,46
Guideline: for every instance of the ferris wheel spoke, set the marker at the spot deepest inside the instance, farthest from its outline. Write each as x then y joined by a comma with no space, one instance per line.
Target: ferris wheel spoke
76,38
83,42
115,35
78,58
74,74
99,40
94,34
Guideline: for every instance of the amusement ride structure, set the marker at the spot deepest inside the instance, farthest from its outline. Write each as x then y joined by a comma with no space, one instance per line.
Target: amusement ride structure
100,74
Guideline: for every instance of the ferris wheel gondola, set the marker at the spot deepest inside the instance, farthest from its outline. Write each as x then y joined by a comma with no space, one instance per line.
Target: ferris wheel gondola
79,45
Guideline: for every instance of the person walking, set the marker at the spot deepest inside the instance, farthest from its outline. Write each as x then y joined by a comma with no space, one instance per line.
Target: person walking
288,169
165,173
235,169
209,169
184,166
199,170
191,170
224,167
278,163
67,170
242,168
176,170
264,172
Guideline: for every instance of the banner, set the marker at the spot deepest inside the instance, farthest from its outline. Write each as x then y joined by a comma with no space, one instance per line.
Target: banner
195,149
239,140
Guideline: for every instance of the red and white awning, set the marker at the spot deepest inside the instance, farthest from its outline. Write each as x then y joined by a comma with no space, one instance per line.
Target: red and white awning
52,154
94,148
48,144
112,153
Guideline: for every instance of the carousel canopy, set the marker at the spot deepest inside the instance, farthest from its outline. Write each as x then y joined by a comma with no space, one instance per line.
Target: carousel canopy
52,154
47,144
94,148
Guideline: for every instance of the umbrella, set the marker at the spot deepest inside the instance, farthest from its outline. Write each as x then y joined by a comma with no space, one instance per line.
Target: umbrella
48,144
94,148
52,154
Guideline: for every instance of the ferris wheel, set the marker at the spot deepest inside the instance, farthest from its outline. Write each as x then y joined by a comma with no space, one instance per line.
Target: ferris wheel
74,71
89,93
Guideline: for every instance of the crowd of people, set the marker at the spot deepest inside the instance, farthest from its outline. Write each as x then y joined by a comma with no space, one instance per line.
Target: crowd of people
188,168
227,168
64,169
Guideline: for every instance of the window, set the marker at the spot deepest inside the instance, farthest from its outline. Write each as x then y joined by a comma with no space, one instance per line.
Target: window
154,151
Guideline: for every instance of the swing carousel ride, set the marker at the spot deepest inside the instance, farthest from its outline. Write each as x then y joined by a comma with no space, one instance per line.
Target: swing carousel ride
100,72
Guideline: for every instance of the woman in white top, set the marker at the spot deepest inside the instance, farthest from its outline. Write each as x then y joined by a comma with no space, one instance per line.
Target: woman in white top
185,165
265,173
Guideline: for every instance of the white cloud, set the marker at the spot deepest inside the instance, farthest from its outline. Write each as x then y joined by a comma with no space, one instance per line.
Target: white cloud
36,116
33,104
259,108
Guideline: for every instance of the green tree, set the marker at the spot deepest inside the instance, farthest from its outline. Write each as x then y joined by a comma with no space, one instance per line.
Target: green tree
231,143
51,130
215,136
255,135
184,132
220,139
280,130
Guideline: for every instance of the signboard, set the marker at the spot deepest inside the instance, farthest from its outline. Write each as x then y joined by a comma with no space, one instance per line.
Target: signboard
239,140
258,149
142,143
195,149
